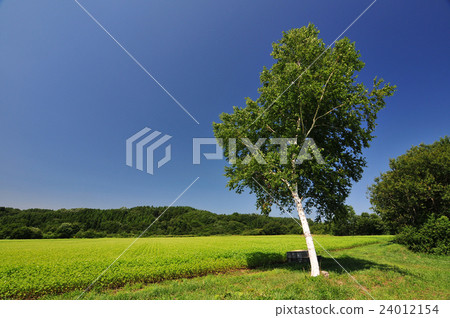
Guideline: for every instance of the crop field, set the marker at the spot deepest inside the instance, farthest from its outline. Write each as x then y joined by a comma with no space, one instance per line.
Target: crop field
31,269
385,270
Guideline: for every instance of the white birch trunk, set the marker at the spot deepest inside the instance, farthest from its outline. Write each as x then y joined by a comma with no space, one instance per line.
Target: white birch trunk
315,271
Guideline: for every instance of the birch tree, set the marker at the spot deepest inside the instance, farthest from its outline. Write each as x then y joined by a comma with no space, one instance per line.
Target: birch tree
310,103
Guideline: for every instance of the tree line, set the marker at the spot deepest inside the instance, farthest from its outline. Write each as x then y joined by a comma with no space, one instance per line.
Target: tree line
176,221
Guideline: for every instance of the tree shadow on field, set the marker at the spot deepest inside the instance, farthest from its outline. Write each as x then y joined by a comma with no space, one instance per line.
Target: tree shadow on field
264,260
269,261
357,264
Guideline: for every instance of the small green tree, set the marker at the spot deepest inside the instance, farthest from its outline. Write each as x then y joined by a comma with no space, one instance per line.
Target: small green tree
416,186
369,224
67,230
309,94
344,224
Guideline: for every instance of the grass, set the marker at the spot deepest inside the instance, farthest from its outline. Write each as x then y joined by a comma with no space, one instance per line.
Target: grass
385,270
32,269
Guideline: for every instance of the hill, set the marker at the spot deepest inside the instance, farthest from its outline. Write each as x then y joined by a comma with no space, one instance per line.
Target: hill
127,222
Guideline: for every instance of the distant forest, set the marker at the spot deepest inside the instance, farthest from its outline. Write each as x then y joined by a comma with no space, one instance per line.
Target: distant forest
176,221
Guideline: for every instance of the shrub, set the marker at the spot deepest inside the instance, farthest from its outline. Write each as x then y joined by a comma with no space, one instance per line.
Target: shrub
433,237
26,232
67,230
274,229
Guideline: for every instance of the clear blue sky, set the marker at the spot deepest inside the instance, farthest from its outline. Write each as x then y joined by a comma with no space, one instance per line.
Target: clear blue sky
70,97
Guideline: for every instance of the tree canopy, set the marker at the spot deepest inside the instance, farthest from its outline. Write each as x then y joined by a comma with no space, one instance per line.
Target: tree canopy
310,93
416,186
130,222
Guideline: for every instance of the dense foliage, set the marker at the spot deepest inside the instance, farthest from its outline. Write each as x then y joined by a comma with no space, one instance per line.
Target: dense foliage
413,198
124,222
433,237
353,224
416,186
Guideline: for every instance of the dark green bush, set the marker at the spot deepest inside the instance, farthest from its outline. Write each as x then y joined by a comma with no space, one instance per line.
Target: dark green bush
274,229
415,187
433,237
67,230
26,232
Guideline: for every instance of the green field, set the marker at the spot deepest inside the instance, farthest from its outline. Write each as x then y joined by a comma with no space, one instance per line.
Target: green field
34,268
218,267
386,270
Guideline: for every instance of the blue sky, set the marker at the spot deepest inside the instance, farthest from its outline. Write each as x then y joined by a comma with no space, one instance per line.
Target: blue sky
70,97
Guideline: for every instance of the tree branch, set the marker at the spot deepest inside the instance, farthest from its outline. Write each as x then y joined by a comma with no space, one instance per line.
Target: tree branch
315,118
